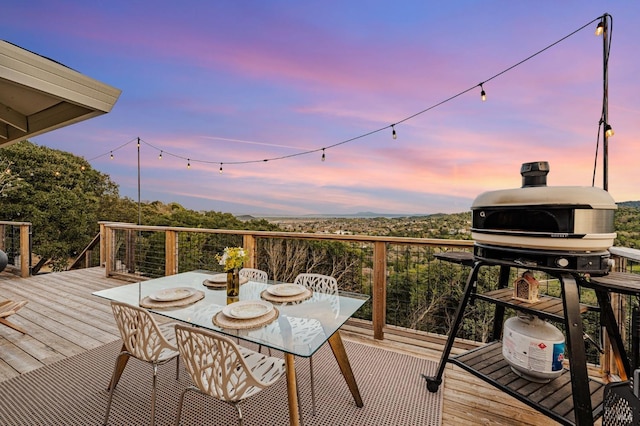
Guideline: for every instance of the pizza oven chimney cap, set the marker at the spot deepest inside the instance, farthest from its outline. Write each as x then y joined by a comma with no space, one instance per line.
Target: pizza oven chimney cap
534,174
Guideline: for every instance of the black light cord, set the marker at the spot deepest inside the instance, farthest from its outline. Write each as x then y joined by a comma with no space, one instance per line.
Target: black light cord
392,126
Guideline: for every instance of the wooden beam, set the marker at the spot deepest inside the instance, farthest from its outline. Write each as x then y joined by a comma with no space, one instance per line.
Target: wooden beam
13,118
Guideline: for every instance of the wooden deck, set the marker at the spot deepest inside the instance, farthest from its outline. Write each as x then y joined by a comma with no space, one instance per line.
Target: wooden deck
63,318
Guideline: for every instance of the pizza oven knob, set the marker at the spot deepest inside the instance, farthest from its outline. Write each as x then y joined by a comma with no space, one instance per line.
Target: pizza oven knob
562,262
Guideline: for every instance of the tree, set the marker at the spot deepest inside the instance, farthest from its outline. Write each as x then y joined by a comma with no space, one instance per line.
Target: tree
9,180
60,194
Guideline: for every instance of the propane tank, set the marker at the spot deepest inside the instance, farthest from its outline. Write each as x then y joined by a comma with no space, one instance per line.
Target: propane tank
533,348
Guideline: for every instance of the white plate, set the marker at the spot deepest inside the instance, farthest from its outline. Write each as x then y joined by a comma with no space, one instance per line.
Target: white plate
172,294
285,290
218,278
247,309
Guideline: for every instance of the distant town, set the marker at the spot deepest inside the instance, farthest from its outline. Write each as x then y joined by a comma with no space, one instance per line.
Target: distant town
450,226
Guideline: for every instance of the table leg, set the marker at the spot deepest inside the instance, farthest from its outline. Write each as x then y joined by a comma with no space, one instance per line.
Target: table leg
337,346
122,363
292,389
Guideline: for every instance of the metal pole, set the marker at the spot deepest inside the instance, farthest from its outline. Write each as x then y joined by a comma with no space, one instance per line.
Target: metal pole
605,102
139,208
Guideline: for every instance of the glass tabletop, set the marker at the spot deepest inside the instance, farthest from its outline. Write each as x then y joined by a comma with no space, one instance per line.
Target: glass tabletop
300,328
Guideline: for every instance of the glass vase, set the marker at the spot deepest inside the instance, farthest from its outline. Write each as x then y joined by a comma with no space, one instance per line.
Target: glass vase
233,283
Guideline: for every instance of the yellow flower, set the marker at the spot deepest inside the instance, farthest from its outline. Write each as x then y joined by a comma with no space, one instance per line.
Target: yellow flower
232,258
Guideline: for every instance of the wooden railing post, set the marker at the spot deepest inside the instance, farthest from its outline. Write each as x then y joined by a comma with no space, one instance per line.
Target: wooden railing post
171,252
379,294
106,244
25,250
249,245
103,247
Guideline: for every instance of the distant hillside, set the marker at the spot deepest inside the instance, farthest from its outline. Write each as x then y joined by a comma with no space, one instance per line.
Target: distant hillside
359,215
633,204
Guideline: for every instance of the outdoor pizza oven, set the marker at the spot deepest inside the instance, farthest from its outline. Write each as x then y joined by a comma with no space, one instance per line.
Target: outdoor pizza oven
564,227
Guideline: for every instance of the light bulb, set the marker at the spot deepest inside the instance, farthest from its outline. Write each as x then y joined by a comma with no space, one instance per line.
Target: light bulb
600,28
483,94
111,156
323,156
188,163
220,168
393,132
608,131
160,156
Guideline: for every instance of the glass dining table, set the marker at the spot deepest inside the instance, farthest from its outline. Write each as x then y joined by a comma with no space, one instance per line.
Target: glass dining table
299,329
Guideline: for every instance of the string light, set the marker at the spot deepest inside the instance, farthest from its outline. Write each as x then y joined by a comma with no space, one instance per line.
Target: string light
600,29
160,156
608,131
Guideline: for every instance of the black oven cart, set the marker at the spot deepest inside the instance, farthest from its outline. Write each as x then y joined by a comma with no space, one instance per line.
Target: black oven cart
572,398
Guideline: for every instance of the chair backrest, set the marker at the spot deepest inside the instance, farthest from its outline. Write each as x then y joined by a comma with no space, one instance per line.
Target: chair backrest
322,286
140,333
218,367
319,283
254,275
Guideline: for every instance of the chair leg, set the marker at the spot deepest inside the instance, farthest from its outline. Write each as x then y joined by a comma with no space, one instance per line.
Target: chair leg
12,325
153,395
113,388
237,405
179,413
260,349
178,367
313,390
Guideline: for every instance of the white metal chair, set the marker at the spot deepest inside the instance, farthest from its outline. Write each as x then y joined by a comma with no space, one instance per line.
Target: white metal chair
319,284
145,340
253,274
221,369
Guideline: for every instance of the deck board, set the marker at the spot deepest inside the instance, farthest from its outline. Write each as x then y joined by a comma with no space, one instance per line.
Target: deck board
62,318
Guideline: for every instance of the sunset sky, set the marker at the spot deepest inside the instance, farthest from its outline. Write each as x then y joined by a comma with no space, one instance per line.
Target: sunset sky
231,81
